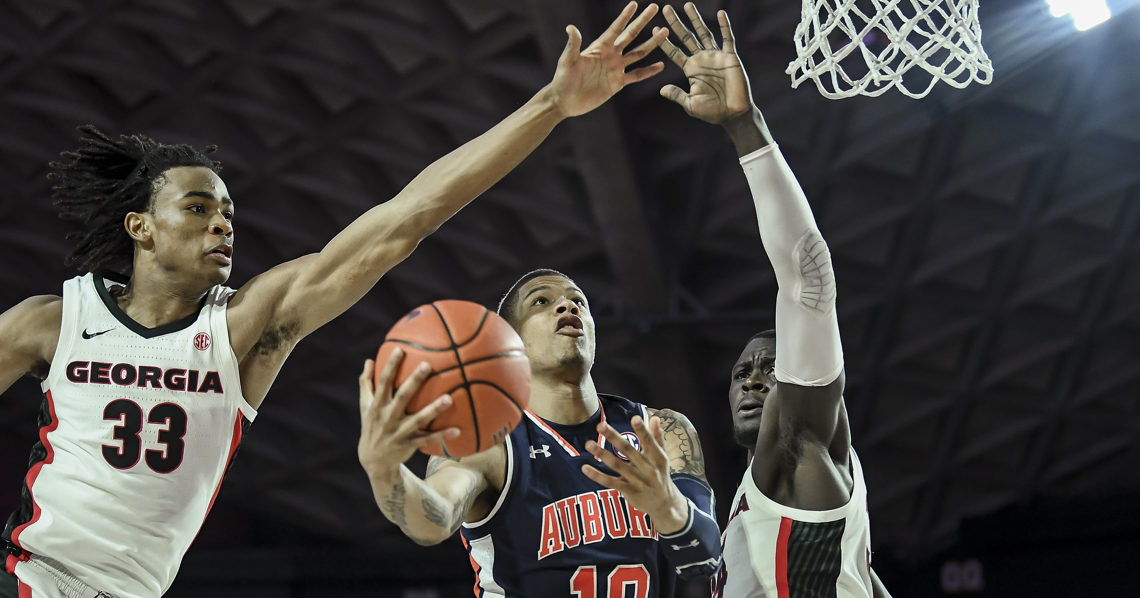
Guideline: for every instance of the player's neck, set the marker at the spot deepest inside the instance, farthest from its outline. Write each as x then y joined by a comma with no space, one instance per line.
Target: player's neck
561,401
152,301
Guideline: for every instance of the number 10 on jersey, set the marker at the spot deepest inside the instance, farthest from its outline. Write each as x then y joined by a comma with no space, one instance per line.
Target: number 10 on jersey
584,582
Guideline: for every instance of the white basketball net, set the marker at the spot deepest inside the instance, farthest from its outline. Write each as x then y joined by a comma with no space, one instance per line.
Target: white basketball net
941,37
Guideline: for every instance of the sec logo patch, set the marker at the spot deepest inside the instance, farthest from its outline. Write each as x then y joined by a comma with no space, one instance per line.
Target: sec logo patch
632,439
201,341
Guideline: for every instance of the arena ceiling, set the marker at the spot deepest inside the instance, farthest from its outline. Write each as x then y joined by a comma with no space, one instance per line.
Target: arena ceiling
987,241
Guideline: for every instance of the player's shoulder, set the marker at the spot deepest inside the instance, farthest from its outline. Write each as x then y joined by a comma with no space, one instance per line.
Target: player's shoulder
29,330
255,319
610,402
671,418
33,313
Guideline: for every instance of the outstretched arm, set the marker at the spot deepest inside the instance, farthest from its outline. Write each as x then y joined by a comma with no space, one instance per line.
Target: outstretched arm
427,510
304,294
809,361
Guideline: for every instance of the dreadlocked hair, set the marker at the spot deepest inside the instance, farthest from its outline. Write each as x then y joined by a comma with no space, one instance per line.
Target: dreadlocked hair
103,180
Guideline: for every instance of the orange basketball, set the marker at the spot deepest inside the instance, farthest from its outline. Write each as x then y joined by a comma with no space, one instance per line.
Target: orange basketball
476,357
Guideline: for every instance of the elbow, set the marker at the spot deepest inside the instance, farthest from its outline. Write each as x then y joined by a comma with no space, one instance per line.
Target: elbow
429,539
425,541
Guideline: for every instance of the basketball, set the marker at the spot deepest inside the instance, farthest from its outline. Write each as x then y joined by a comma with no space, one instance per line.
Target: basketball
476,357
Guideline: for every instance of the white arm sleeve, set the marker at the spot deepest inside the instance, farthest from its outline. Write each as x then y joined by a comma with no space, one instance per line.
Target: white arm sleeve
808,349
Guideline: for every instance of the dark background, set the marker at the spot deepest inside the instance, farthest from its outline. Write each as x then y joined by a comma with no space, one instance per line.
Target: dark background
986,244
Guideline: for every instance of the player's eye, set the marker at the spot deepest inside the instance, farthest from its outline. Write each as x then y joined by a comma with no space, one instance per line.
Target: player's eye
579,301
197,207
741,374
228,215
539,301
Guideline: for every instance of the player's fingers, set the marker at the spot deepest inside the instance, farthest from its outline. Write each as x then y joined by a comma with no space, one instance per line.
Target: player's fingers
632,30
674,53
624,469
611,33
655,429
367,398
654,450
727,41
682,32
699,26
388,375
609,481
621,445
573,44
409,388
672,92
643,50
642,73
424,416
437,438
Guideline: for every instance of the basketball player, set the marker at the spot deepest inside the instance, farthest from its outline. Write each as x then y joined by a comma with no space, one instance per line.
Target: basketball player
798,523
591,495
151,378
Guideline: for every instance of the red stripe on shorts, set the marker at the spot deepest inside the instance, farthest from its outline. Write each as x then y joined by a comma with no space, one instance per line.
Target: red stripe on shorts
782,558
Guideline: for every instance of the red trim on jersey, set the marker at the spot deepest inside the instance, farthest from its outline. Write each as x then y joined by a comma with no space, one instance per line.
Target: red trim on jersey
25,591
30,479
601,437
782,558
538,421
235,440
478,590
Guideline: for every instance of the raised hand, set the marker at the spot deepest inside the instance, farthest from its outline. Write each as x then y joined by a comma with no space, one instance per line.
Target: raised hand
644,479
388,435
718,85
585,79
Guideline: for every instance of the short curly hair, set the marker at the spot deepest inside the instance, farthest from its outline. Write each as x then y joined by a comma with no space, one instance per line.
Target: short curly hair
102,180
508,305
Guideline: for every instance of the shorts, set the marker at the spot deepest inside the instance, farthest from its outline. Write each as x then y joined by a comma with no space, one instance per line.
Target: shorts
43,578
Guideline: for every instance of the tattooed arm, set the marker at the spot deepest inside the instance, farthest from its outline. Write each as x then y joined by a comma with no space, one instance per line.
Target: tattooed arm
430,510
427,510
681,444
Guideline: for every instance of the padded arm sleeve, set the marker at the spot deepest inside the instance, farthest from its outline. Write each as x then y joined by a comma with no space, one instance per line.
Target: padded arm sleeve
808,349
694,551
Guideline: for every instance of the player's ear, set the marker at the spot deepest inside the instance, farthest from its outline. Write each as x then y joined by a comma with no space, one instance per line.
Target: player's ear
138,226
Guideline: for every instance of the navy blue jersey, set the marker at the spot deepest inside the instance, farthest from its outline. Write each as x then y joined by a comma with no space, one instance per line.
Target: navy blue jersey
554,532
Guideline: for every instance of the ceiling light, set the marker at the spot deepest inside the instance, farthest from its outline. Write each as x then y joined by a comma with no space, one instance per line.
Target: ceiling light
1086,14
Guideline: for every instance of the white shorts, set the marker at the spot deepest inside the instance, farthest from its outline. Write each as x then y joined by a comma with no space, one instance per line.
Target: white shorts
41,577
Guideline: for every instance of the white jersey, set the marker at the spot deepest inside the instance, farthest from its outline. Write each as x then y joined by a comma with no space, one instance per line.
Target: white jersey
137,429
773,551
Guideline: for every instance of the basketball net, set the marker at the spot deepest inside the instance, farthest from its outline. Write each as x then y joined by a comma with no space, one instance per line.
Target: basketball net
941,37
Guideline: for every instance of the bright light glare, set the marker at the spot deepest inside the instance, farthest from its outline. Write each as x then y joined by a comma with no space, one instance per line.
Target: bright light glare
1086,14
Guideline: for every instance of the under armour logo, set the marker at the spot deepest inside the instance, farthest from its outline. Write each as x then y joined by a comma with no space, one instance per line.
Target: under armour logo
544,451
89,335
693,544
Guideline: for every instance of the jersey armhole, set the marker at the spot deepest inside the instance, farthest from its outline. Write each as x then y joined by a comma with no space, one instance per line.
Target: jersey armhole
504,494
69,315
222,296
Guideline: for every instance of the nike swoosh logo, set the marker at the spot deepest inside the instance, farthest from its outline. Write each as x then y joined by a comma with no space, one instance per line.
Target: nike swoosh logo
95,334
